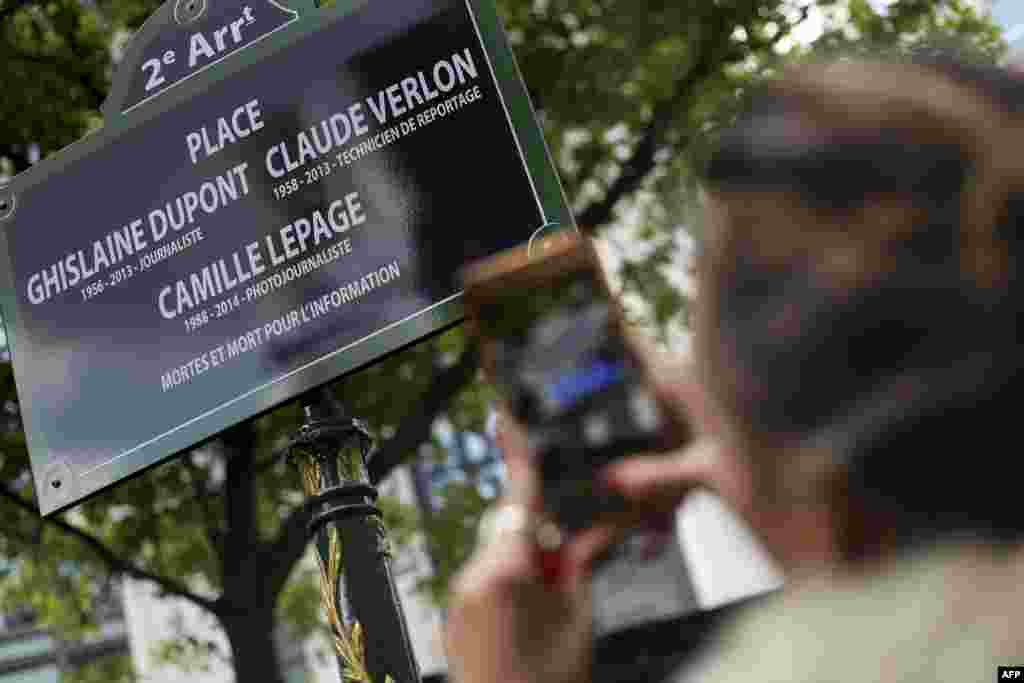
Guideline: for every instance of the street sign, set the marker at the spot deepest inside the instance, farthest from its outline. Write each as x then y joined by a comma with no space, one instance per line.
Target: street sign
281,194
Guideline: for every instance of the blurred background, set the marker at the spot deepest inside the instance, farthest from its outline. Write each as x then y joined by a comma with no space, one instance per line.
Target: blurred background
146,582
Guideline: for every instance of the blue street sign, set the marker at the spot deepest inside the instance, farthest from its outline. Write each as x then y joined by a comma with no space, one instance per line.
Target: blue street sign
281,194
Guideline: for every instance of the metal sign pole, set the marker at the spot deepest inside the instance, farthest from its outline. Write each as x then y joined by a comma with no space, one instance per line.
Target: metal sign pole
358,591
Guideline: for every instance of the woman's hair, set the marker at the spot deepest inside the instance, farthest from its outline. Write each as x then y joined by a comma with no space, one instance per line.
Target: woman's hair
909,373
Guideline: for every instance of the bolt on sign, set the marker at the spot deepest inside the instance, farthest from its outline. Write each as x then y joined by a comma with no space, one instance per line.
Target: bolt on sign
281,194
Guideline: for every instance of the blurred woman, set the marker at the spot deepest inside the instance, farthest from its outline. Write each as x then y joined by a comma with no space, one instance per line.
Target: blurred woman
858,370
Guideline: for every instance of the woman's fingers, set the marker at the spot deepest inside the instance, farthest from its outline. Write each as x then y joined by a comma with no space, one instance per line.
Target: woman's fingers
662,481
499,568
505,624
676,382
512,440
582,550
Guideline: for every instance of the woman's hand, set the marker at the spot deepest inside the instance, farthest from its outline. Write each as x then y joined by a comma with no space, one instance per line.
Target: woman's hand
658,483
519,614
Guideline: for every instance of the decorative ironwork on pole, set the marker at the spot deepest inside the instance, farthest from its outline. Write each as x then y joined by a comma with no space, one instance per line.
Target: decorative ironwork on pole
357,588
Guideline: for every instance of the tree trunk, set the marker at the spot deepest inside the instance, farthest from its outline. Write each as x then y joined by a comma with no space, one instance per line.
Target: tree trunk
253,650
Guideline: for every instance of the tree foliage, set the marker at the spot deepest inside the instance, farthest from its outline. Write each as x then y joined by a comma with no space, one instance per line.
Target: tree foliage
111,669
623,89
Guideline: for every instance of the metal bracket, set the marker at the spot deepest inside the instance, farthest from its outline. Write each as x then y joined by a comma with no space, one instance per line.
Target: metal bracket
550,225
188,11
8,203
541,234
338,511
332,429
59,485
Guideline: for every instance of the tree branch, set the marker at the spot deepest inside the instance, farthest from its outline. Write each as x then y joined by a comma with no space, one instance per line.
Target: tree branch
241,535
117,564
415,428
214,530
712,53
644,157
288,549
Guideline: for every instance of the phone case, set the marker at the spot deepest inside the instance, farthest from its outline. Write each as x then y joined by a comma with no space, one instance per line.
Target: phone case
554,341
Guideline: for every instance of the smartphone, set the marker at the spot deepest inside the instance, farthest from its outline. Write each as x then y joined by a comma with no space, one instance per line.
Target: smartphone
553,343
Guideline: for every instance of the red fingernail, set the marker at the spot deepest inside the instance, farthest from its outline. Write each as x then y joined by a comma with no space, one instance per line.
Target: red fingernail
611,481
552,567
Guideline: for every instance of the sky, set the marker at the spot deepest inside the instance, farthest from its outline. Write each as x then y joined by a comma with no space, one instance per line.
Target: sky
1010,14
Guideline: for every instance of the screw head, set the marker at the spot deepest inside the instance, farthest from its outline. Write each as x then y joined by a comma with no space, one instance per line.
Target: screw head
58,484
8,203
188,11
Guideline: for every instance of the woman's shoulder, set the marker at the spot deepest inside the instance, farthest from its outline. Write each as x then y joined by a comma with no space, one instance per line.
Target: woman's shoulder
948,613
